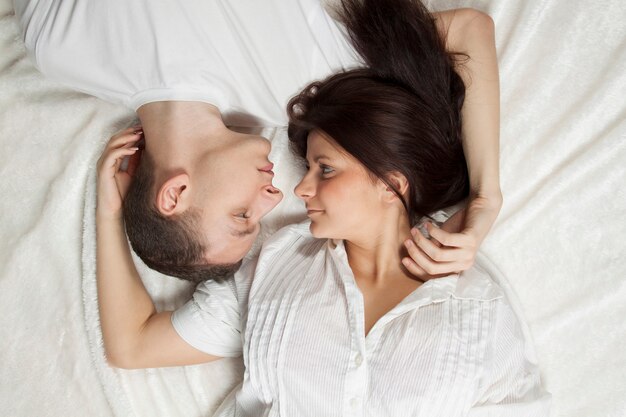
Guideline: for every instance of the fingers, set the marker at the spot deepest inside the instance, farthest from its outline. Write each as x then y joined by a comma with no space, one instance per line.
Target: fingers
457,240
124,139
132,134
133,163
428,265
414,268
113,158
434,249
428,256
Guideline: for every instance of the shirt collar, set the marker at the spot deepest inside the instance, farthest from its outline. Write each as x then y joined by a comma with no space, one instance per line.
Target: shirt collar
473,284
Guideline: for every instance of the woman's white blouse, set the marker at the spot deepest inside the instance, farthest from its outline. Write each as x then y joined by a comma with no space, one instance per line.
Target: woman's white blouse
453,347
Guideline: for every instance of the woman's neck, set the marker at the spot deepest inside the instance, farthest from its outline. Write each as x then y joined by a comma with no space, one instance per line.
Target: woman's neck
376,257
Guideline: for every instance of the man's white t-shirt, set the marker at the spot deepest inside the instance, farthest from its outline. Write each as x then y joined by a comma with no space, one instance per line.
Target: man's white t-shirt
247,57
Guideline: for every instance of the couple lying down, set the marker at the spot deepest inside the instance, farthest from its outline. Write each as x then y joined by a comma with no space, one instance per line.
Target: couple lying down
342,314
330,319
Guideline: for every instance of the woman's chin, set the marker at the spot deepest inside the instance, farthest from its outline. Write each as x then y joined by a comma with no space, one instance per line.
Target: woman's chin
317,231
320,232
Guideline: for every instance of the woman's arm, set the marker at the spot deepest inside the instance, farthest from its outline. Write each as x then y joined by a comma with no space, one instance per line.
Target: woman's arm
456,243
135,335
472,32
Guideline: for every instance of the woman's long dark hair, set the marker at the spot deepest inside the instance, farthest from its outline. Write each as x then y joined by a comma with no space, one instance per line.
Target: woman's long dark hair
401,112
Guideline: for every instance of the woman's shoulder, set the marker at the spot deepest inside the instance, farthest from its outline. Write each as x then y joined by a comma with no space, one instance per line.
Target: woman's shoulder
485,281
479,283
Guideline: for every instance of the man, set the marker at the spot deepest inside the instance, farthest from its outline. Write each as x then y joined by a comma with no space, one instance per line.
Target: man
189,69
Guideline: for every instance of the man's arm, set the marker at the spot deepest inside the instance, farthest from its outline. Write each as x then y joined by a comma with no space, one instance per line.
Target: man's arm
470,32
135,335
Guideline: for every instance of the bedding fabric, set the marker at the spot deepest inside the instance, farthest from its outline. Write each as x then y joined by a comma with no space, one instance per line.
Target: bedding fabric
558,240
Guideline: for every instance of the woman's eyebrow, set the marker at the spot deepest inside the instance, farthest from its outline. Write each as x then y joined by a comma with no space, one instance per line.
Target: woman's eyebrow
318,157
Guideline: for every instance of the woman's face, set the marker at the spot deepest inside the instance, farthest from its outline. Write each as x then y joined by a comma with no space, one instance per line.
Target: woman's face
340,196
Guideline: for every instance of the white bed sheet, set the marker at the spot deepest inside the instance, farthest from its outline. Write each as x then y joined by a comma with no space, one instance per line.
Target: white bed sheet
559,239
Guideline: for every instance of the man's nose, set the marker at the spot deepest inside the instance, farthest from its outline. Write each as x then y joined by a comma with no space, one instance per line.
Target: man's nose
271,196
272,191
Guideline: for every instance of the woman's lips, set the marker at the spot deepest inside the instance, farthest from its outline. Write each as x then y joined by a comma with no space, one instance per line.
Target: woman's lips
313,211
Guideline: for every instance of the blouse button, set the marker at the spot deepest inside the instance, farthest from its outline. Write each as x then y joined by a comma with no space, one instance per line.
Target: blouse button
354,402
358,359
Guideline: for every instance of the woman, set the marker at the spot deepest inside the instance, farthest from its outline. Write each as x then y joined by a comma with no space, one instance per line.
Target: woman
333,324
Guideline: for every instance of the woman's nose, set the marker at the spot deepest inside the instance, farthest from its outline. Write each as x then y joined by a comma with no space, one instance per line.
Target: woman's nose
304,189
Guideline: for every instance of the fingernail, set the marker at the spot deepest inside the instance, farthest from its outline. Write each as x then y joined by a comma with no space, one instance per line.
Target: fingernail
414,231
408,242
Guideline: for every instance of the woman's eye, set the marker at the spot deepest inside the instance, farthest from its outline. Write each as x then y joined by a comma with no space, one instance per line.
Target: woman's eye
326,169
243,215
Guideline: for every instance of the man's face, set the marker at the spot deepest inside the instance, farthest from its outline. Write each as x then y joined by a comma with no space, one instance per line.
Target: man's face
236,191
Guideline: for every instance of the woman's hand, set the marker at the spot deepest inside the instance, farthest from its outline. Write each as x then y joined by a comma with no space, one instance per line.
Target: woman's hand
113,183
452,248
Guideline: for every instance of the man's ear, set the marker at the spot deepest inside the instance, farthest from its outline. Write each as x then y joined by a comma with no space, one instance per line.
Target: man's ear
174,197
399,182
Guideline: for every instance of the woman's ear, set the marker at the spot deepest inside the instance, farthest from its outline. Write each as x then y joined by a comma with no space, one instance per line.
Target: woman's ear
399,182
174,197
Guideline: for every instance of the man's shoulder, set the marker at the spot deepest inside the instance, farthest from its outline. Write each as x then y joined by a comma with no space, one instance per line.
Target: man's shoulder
289,235
292,243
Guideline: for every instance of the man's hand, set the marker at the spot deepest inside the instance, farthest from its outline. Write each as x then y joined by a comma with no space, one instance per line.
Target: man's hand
452,248
113,182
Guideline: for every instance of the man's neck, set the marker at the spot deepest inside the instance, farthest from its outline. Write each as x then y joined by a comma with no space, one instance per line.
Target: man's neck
176,131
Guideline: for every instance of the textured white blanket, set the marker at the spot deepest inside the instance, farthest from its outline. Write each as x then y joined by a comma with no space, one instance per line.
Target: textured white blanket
559,239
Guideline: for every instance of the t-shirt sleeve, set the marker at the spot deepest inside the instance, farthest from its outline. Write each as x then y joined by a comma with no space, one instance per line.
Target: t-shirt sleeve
31,16
511,383
211,320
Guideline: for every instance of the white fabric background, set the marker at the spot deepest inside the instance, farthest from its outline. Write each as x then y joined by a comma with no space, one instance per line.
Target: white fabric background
559,238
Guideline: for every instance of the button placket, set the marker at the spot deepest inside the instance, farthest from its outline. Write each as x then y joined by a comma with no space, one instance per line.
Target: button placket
358,360
356,374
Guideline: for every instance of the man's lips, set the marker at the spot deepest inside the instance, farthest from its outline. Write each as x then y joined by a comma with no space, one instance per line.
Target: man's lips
268,168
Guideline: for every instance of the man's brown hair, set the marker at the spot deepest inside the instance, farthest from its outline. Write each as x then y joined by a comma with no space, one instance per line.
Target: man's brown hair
170,245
